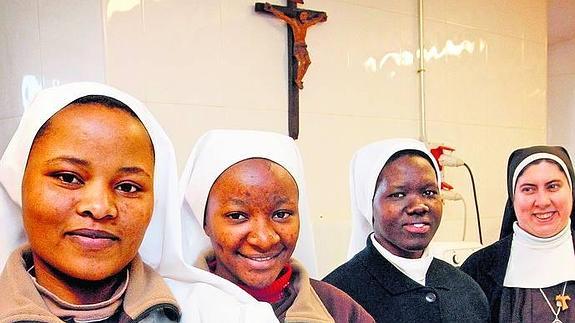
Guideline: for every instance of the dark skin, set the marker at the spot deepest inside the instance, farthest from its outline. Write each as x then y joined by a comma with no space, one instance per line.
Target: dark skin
407,206
252,221
87,199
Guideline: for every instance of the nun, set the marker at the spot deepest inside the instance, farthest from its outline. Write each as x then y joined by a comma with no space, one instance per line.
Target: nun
528,275
396,209
244,196
86,173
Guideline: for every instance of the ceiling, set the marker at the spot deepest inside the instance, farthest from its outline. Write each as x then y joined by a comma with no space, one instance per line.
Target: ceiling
560,20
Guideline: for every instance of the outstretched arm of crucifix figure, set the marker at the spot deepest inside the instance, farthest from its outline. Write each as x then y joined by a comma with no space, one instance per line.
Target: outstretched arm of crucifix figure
289,20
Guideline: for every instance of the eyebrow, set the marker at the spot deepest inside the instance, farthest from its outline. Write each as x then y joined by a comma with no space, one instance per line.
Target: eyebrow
69,159
84,163
134,170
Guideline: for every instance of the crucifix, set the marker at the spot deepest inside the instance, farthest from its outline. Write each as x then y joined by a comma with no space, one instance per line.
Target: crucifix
298,21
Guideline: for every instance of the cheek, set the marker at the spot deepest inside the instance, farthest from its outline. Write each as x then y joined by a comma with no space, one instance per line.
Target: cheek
47,206
135,216
225,239
289,235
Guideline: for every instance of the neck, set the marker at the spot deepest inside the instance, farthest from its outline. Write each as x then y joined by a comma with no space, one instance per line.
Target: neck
73,290
274,292
397,251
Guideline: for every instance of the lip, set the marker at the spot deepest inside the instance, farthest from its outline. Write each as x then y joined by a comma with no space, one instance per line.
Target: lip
90,239
417,227
545,216
262,261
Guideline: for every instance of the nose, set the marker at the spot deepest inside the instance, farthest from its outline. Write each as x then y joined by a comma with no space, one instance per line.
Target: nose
542,199
97,201
263,235
417,206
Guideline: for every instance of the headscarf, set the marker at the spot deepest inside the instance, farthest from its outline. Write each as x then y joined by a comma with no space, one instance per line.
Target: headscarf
13,163
522,158
365,167
214,152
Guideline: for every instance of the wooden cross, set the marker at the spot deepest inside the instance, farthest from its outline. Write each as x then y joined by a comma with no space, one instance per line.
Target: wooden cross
562,301
298,21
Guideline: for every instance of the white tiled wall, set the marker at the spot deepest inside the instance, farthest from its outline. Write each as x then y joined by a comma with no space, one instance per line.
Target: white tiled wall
45,43
561,99
213,64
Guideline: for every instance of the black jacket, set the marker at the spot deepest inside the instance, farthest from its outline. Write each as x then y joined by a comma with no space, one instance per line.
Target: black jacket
488,267
390,296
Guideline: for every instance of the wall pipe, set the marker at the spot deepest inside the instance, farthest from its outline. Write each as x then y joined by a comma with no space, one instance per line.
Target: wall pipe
421,72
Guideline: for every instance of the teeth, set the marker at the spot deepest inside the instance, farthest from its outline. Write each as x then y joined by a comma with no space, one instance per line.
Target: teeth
544,216
418,225
260,258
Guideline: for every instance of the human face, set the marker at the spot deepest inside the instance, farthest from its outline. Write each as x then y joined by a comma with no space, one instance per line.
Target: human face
406,206
542,199
252,221
87,194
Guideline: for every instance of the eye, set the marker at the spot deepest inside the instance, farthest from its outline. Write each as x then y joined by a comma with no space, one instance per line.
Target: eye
430,193
282,215
68,178
128,188
527,189
553,187
397,195
236,216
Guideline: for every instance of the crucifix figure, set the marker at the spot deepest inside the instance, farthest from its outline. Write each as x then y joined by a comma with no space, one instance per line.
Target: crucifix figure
298,21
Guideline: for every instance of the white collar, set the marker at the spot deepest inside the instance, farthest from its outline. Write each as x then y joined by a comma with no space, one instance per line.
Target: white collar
540,262
416,269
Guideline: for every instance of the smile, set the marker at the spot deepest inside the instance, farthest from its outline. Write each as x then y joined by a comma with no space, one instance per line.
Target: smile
92,240
93,234
263,261
418,227
544,216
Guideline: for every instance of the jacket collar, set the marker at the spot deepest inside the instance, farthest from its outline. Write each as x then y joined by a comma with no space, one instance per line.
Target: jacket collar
393,280
21,301
306,307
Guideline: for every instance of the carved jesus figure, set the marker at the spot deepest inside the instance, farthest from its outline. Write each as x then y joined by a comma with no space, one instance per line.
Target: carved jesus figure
299,26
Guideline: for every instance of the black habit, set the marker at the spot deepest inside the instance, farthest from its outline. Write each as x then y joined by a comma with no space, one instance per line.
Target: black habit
390,296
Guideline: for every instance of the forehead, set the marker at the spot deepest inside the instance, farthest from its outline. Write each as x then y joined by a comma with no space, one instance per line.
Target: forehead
397,170
92,125
542,169
255,172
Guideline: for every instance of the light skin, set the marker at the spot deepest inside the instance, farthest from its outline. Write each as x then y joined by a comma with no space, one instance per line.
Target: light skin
407,206
252,221
542,200
87,198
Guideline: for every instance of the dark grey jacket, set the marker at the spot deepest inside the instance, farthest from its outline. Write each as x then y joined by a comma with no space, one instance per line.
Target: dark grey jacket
390,296
488,267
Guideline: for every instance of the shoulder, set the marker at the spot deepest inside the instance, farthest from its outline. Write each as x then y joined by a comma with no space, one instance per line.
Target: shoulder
345,272
487,257
457,279
340,305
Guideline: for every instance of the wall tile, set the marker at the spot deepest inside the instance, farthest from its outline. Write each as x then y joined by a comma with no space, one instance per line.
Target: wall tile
125,47
71,44
20,57
184,51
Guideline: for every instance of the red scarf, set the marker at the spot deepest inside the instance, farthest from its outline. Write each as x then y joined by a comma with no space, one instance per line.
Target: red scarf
274,292
270,294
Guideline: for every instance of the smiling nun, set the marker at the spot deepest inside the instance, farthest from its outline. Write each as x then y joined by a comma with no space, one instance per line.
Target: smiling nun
397,208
